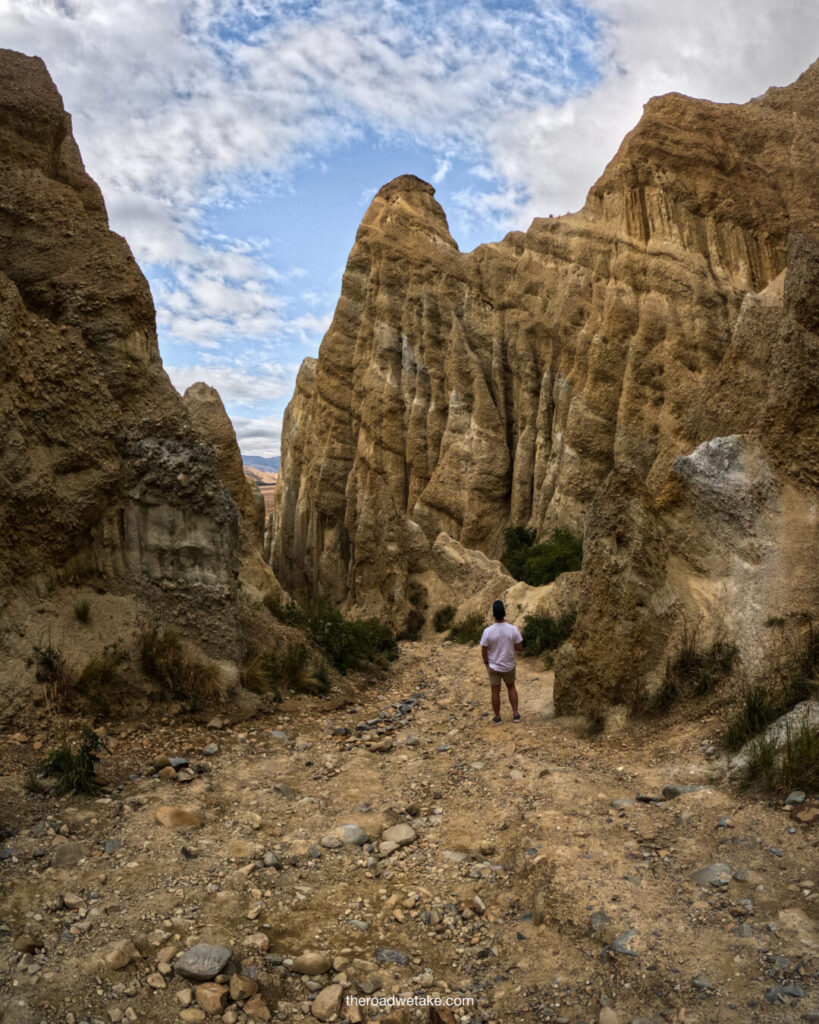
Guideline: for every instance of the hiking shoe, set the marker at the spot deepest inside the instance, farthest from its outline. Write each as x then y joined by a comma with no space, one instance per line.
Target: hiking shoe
496,721
515,718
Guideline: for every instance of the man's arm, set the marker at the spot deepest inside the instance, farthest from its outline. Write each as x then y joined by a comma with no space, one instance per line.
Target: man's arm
485,654
519,647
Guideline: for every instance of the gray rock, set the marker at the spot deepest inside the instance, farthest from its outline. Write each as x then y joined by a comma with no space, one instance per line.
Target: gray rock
353,835
211,749
362,926
111,846
286,791
675,790
599,920
331,842
702,985
796,797
401,834
713,874
271,860
391,956
69,854
203,962
277,734
779,992
621,805
622,943
178,762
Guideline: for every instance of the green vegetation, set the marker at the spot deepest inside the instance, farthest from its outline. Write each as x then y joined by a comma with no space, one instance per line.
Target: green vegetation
543,633
348,644
82,609
416,617
538,564
101,684
468,630
177,675
789,678
74,767
794,765
693,670
444,618
285,666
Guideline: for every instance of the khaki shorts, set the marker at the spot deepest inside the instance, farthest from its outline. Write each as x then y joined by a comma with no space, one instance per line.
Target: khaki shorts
496,678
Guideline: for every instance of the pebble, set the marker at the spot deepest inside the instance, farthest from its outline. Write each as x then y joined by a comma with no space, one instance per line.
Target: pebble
401,834
212,997
673,791
607,1016
256,1008
242,987
120,954
391,956
211,749
326,1004
203,961
311,963
353,835
716,874
796,797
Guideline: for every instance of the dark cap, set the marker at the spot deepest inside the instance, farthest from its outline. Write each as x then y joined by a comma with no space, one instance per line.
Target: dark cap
498,610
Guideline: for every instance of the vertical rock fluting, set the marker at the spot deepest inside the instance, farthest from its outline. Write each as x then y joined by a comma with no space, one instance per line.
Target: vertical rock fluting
102,478
460,393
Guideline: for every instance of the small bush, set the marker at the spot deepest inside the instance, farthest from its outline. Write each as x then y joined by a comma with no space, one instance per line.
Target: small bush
468,630
348,643
595,720
788,679
74,767
101,684
175,674
794,765
539,564
543,633
444,618
82,609
286,666
693,670
51,669
413,625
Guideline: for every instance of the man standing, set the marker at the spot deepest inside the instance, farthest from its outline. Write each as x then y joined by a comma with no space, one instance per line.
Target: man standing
498,645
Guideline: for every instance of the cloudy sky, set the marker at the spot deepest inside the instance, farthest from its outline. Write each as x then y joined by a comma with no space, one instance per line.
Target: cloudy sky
239,142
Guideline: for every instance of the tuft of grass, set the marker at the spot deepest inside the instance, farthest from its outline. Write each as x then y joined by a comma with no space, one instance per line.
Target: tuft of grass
793,765
468,630
444,618
539,564
73,765
789,678
102,684
694,669
175,674
52,670
413,625
595,720
82,610
347,643
543,633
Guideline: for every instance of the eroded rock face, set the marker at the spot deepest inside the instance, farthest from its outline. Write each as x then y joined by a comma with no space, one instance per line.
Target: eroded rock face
102,478
460,393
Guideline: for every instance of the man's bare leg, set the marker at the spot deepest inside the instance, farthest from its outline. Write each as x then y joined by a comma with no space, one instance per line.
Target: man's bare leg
496,700
512,694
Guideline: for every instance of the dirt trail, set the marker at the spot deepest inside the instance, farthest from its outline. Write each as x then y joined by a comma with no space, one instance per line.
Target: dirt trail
522,888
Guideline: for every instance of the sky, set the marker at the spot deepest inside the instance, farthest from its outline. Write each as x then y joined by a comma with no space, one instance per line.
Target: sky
238,143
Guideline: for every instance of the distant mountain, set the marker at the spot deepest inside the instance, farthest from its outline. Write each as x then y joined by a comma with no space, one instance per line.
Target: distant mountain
271,463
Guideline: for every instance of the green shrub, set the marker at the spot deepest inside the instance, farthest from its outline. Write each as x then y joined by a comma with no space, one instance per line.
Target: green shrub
538,564
283,667
176,675
543,633
82,609
102,683
52,670
468,630
794,765
788,679
444,618
692,670
348,643
74,767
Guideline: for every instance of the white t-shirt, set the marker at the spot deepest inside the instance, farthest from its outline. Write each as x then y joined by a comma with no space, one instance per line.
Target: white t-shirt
501,638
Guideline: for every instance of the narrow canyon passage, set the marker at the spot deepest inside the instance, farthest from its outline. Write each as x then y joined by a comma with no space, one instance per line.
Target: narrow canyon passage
525,867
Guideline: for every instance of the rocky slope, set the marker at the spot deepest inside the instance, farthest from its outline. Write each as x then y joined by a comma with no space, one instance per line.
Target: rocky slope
106,482
405,847
455,394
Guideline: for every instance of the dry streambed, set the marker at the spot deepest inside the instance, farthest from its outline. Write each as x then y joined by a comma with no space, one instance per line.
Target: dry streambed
318,862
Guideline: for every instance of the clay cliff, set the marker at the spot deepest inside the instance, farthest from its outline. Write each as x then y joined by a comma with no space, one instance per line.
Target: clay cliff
542,378
107,480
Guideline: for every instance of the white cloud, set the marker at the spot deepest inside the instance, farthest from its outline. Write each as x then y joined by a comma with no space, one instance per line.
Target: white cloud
239,386
259,436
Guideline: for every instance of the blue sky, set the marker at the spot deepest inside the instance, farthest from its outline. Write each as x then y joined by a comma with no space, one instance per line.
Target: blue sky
239,143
